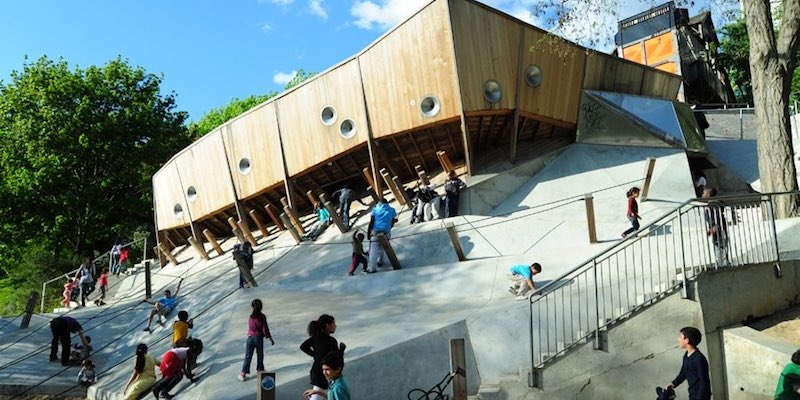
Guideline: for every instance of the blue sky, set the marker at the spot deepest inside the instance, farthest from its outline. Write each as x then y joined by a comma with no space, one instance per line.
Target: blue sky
208,51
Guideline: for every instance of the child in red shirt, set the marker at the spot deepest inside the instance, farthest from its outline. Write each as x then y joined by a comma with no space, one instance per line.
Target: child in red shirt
103,282
68,287
633,211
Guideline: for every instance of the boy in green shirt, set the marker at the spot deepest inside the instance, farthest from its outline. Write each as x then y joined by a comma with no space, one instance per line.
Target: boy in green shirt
332,365
789,380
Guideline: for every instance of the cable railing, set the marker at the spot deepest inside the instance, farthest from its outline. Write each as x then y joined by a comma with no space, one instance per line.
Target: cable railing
700,234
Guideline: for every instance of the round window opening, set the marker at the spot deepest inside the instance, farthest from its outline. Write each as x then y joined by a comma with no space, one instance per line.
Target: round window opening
328,115
430,106
191,193
177,211
244,166
347,129
492,92
533,75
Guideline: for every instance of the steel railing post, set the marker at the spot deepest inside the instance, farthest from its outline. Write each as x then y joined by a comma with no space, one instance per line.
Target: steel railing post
596,305
684,288
44,287
774,230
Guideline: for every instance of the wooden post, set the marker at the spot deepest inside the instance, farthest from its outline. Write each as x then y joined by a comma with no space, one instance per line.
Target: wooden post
270,209
458,363
291,229
451,230
387,248
259,224
239,236
148,284
337,219
26,319
311,197
266,386
589,199
198,247
372,193
213,240
292,216
648,176
368,176
402,190
232,223
392,187
246,233
447,166
423,176
167,254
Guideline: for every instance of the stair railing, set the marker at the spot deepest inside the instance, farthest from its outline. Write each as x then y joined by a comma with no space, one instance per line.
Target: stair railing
579,306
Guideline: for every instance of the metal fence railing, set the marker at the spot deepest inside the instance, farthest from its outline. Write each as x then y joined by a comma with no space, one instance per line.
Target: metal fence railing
725,232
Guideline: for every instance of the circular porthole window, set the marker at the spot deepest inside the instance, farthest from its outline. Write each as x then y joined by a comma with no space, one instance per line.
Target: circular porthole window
328,115
491,91
244,166
191,193
533,75
177,211
347,129
430,106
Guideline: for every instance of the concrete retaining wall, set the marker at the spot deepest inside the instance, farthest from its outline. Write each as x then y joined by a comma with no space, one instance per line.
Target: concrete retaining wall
753,362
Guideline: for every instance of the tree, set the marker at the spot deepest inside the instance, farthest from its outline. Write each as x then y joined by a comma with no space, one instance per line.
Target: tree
773,58
77,152
300,77
734,56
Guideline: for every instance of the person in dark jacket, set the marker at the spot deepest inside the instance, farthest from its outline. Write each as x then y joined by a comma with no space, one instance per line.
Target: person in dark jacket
317,346
694,369
62,327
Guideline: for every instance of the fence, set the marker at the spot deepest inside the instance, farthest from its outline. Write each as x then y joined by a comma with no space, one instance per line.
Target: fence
97,259
729,231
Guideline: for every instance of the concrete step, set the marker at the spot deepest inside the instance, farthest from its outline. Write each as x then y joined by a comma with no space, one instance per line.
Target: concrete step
489,392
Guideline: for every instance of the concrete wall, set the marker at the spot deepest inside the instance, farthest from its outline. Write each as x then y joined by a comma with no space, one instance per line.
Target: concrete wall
753,362
729,297
420,362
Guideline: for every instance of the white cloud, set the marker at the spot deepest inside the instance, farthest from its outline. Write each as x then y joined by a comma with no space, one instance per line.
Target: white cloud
282,78
266,28
384,14
316,7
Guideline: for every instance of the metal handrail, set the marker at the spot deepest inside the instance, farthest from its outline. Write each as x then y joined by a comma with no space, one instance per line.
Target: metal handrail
609,286
100,257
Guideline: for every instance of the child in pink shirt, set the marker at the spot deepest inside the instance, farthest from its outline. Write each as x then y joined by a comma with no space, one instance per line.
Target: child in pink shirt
103,282
68,287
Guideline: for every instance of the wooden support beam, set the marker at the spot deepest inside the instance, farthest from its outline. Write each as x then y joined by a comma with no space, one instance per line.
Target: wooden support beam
198,248
387,248
270,209
419,153
447,166
292,216
423,176
28,314
213,241
648,177
451,231
239,235
402,190
402,156
392,187
311,197
290,227
232,223
245,228
335,217
254,216
590,221
161,247
450,138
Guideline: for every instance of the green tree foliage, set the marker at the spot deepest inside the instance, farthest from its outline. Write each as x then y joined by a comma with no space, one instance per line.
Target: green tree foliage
734,56
218,116
78,148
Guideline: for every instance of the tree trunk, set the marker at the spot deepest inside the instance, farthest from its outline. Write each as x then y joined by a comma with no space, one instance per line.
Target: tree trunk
771,66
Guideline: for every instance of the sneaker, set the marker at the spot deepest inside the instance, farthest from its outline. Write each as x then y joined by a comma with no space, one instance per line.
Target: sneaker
624,235
165,396
349,274
522,297
369,271
512,291
147,329
241,377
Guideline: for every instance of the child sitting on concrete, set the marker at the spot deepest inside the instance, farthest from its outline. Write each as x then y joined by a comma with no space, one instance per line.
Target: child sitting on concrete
78,352
87,375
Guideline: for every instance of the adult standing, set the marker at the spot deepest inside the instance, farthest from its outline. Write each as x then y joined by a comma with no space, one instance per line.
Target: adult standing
85,277
380,223
144,375
452,187
62,327
318,345
116,250
717,227
346,196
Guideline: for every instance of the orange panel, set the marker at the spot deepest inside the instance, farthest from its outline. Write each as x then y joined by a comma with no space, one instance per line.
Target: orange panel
633,53
659,49
668,67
